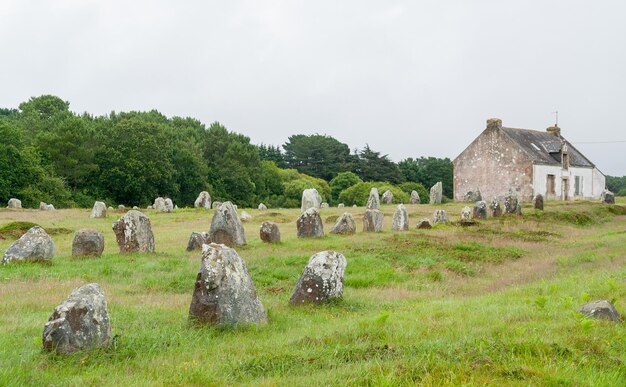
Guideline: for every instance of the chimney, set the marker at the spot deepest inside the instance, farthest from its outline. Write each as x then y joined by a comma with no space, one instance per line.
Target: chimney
494,123
555,130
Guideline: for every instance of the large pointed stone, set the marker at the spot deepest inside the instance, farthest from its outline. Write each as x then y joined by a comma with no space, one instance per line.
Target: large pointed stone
321,280
310,224
400,221
345,225
35,245
226,228
224,293
373,221
373,201
310,199
133,233
436,193
80,323
269,232
387,197
203,200
196,240
99,210
415,198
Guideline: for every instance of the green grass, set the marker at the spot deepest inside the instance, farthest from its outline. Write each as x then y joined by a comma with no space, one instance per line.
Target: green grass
492,304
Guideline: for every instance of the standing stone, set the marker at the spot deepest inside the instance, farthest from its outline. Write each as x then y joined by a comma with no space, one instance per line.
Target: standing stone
440,216
511,204
321,280
42,206
262,207
538,202
245,216
341,205
466,214
473,196
310,224
197,239
600,309
79,323
344,225
496,208
324,205
159,204
15,203
387,197
87,243
269,232
121,207
133,233
373,221
436,192
415,198
373,201
224,293
35,245
424,223
607,197
50,207
169,205
135,208
226,228
310,199
400,220
480,210
203,201
216,204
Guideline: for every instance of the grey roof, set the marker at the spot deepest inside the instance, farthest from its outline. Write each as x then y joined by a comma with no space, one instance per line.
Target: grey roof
545,148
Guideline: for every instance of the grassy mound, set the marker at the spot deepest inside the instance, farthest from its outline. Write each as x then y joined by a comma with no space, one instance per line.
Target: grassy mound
17,229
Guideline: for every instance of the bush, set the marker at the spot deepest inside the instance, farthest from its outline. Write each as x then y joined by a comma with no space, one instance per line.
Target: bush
358,193
419,188
341,182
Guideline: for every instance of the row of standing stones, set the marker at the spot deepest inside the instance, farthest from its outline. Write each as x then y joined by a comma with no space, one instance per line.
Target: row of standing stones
224,293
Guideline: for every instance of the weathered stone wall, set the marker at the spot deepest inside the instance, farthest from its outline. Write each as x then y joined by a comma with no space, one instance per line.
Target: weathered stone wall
493,163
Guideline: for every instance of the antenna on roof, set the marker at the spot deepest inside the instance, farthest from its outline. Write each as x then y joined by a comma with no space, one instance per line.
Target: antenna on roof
556,113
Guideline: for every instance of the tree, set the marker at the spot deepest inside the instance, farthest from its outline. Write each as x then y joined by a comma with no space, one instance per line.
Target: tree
317,155
272,153
374,167
342,181
428,171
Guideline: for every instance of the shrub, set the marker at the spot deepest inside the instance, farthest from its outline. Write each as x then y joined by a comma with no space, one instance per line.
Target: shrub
358,193
341,182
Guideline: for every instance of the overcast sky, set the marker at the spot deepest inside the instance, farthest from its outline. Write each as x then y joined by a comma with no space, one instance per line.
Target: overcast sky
410,78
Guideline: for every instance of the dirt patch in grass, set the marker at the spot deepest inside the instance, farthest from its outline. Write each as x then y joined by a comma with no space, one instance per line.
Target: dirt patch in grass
331,219
274,217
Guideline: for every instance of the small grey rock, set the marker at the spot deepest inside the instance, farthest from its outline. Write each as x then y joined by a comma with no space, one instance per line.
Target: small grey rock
466,214
87,243
538,202
480,210
14,204
496,208
345,225
269,232
99,210
35,245
262,207
310,224
600,309
203,201
196,240
607,197
321,280
424,223
440,216
245,216
387,197
133,233
415,198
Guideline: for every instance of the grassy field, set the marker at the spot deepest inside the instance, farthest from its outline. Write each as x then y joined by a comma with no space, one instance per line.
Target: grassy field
490,304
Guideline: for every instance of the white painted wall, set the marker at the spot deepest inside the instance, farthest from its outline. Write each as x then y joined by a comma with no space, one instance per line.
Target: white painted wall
593,181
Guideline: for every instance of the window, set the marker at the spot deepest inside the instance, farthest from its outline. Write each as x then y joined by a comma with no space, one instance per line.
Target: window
550,185
578,186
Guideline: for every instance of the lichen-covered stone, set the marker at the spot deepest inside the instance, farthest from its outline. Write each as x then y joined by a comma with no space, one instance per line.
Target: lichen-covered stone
262,207
373,200
203,200
387,197
133,233
87,243
310,199
14,204
538,202
440,216
80,323
511,204
341,205
226,228
99,210
480,210
466,214
415,198
269,232
197,239
373,220
496,208
321,280
344,225
472,196
310,224
424,223
607,197
245,216
46,207
169,205
35,245
600,309
400,221
224,293
436,193
324,205
216,205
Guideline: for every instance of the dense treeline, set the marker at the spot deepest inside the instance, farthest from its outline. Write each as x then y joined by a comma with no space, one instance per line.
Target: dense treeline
51,154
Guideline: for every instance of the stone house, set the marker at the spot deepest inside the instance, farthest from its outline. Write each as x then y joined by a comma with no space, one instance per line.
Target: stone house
528,161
